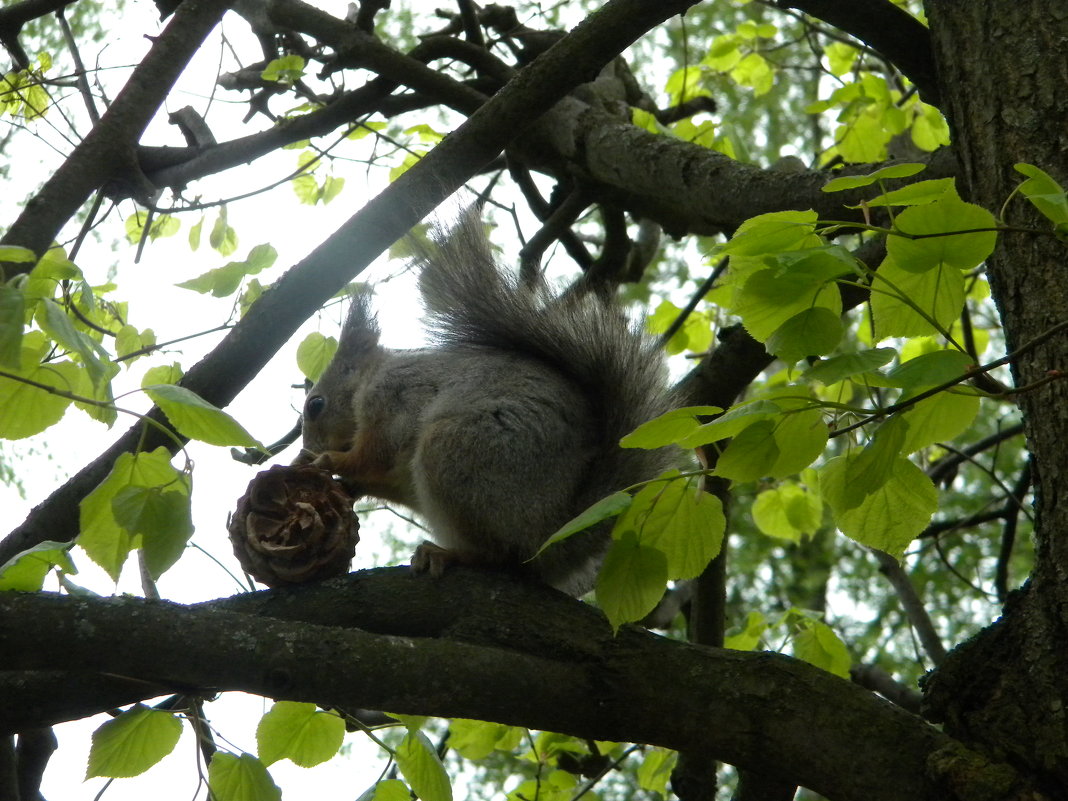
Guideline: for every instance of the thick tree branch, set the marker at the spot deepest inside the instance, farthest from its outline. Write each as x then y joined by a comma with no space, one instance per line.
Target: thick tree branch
224,372
685,188
532,657
886,28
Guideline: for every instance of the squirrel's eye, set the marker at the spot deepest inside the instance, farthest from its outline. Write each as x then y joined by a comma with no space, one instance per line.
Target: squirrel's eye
314,406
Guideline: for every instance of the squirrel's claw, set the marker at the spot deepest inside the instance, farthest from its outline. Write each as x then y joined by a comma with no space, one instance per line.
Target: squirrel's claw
432,559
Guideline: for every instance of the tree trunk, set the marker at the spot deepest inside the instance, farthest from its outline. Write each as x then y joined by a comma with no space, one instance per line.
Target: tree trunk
1003,69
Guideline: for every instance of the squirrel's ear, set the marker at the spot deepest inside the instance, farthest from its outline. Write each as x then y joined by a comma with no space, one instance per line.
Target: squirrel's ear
360,331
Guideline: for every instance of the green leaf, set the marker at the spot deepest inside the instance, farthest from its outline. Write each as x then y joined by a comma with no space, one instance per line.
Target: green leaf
243,778
26,410
222,237
12,315
305,187
314,354
132,743
801,437
422,769
788,512
685,84
287,69
771,297
773,233
870,469
929,370
197,419
810,332
898,293
694,335
655,770
723,54
391,790
941,418
161,517
731,422
632,580
678,519
194,234
886,173
605,508
668,428
410,722
838,368
646,120
162,374
224,281
249,295
298,732
750,455
85,388
101,537
58,325
940,246
747,640
477,739
917,194
755,72
930,130
840,57
331,188
889,518
863,138
818,645
1044,192
17,254
26,571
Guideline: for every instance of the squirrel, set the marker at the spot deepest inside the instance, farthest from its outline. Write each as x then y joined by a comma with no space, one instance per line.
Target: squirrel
502,432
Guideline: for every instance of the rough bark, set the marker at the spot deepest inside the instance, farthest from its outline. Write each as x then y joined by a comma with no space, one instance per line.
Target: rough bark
1003,68
386,639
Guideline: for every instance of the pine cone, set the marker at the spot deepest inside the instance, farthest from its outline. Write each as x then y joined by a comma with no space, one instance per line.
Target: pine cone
294,524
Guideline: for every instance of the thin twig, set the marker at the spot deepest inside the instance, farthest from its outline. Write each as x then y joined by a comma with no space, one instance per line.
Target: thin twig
1013,505
698,296
912,605
80,73
941,469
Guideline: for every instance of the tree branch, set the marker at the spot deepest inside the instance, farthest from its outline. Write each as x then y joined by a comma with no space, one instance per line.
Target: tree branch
893,32
945,468
914,608
425,646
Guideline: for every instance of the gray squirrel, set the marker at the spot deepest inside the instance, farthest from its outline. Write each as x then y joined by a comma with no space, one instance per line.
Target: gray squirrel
502,432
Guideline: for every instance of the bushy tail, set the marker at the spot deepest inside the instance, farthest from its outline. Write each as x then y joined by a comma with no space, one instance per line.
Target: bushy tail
472,301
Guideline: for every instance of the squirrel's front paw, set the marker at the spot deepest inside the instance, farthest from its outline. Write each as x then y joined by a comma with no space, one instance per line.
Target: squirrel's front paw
326,460
432,559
